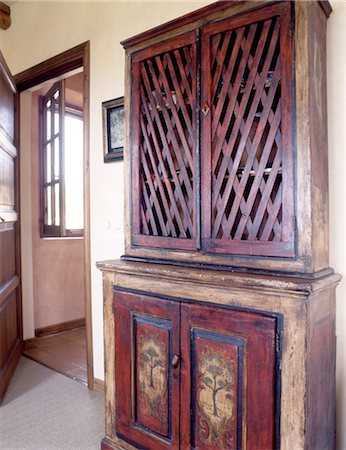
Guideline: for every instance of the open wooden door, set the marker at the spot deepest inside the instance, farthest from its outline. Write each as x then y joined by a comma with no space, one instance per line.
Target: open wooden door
10,298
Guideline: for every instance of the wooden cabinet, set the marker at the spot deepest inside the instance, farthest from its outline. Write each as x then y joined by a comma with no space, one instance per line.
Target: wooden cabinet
224,107
148,385
273,338
220,318
211,141
208,372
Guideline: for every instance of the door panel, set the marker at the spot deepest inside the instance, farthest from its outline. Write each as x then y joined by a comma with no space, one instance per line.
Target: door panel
147,385
247,135
230,369
164,146
10,303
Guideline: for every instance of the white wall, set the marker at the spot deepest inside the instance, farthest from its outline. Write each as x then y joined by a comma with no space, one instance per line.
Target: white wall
63,25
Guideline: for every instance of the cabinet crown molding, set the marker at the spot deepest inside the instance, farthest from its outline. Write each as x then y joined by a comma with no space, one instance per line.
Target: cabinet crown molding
198,15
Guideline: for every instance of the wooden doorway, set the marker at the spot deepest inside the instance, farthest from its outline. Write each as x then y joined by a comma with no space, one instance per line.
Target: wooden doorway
74,59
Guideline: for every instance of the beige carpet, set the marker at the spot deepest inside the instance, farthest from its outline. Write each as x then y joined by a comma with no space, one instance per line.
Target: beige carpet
46,410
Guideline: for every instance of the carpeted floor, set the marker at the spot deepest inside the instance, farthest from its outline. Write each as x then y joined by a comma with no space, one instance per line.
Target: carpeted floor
46,410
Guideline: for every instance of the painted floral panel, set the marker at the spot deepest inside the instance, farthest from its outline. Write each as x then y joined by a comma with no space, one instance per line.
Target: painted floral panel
152,373
216,395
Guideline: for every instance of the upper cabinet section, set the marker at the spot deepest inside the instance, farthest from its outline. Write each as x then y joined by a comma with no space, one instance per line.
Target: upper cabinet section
164,144
247,155
220,164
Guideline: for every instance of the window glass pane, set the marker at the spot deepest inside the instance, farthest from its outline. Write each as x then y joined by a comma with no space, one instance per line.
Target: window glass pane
48,124
56,122
48,205
56,158
48,163
57,204
73,173
56,95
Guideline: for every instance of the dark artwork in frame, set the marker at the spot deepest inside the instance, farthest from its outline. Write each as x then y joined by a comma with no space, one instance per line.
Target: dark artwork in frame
113,117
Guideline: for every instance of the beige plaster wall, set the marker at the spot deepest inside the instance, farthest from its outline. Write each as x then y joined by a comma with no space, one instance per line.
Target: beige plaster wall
62,25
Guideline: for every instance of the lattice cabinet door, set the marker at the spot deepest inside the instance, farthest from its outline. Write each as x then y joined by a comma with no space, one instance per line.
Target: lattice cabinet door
164,144
246,121
229,379
147,370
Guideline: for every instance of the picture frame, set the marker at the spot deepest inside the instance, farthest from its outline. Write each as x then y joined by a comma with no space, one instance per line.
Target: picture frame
113,122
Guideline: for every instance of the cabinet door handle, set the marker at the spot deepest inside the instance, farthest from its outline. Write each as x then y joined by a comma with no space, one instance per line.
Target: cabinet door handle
175,361
2,219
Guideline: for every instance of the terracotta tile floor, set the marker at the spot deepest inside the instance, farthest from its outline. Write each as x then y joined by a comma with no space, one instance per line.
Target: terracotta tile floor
64,352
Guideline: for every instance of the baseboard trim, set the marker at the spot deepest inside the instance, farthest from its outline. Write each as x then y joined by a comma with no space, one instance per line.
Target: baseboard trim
59,327
29,343
99,386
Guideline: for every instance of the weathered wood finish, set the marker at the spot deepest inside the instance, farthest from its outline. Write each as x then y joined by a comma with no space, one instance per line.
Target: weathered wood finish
164,130
10,298
235,349
148,330
247,149
229,371
305,191
223,289
307,308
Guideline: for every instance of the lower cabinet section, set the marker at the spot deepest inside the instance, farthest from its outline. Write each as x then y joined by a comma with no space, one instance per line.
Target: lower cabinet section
213,360
195,376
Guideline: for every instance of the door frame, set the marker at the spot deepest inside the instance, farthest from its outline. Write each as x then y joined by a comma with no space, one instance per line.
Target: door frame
56,66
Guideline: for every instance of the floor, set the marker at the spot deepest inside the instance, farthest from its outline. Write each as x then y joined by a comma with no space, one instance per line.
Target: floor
44,410
64,352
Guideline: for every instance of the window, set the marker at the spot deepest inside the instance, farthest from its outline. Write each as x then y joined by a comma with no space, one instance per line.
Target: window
61,165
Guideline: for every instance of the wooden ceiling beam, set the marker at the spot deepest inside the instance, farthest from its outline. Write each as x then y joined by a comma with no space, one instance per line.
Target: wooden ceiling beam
5,16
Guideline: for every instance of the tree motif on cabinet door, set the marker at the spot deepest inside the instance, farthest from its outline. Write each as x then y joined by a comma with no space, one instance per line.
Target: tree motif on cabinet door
216,399
152,392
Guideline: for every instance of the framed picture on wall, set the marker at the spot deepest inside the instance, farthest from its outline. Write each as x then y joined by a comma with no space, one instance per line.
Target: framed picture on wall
113,117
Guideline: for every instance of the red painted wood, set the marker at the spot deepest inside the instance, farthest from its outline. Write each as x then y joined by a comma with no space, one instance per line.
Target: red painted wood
164,137
247,203
249,417
146,337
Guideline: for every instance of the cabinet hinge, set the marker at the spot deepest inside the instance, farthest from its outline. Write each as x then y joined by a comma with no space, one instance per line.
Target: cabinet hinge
278,343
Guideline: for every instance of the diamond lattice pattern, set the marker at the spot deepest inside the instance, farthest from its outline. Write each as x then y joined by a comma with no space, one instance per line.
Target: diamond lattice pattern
167,143
246,133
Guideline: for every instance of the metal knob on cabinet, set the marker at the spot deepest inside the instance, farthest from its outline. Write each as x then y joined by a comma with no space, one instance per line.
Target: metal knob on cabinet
175,361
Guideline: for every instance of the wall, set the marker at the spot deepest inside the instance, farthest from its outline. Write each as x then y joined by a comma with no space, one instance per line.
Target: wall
63,25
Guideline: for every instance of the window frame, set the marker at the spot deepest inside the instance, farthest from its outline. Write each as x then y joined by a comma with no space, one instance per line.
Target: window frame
54,230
